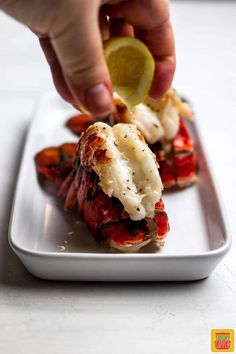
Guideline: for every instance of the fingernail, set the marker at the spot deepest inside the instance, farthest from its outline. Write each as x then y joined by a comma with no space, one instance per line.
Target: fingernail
98,100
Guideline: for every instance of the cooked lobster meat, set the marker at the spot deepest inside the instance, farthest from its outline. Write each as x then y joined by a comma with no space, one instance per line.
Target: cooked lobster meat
175,150
116,187
162,123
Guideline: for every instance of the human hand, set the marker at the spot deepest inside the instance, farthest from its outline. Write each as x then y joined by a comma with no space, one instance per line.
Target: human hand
71,34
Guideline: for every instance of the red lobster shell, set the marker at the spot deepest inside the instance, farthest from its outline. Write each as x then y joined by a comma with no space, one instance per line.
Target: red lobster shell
178,163
162,123
105,216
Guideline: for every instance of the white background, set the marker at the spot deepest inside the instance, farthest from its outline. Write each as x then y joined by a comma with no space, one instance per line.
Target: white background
53,317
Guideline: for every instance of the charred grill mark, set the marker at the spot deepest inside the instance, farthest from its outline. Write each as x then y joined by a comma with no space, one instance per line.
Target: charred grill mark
126,231
91,150
94,188
119,115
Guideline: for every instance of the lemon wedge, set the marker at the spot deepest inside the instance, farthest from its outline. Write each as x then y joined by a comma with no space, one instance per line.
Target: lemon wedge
131,66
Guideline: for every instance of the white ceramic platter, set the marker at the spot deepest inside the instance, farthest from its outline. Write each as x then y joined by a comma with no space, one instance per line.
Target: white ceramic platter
53,245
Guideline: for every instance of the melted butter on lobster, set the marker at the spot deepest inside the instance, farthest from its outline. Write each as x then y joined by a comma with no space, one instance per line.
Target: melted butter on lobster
126,167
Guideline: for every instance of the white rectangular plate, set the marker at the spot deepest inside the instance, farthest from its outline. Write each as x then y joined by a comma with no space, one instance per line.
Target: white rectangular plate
53,245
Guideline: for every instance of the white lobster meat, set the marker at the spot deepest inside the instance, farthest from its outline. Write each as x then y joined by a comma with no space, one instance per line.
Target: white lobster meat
156,119
126,167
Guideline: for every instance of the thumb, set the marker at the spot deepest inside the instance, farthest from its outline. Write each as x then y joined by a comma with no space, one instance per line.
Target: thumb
76,39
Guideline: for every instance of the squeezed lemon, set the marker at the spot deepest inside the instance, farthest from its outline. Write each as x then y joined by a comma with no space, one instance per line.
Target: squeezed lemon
131,66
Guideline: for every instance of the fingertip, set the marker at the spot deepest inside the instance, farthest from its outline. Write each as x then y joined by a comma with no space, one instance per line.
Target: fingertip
163,77
96,100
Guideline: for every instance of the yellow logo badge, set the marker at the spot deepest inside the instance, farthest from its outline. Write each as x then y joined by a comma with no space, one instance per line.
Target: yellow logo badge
222,340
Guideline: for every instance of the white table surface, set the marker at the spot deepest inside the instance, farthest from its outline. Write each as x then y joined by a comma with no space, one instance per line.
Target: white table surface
54,317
